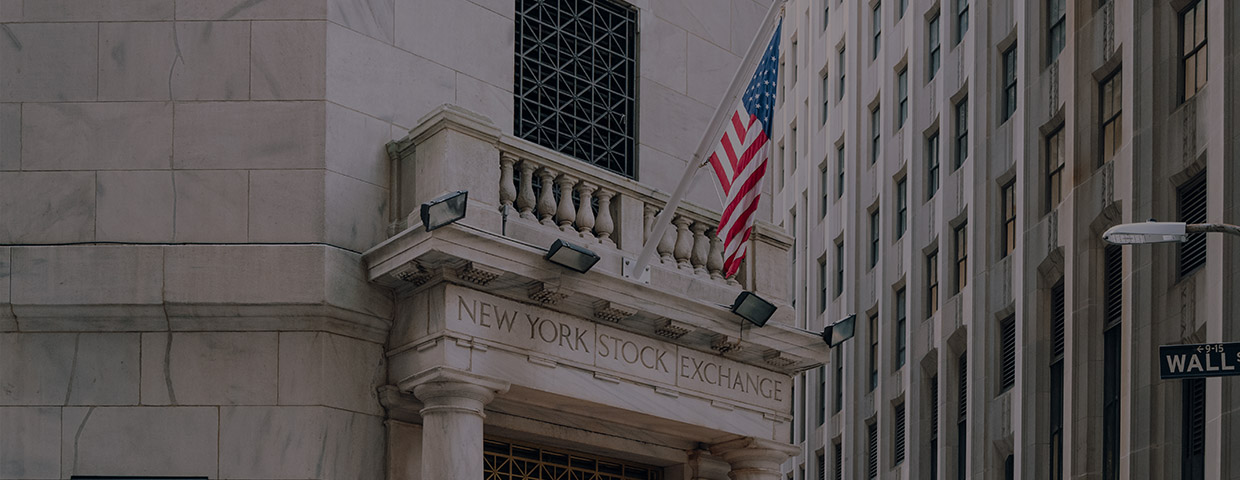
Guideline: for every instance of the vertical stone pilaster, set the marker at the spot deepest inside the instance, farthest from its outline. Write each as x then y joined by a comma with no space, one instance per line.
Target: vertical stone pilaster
452,413
754,458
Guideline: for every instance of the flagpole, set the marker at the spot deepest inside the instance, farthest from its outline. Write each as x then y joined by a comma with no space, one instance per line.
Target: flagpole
748,66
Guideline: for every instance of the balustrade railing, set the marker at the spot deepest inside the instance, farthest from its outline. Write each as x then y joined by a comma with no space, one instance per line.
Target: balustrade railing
536,185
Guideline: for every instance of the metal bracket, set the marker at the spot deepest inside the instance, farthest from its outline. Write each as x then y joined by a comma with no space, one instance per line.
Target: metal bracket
626,269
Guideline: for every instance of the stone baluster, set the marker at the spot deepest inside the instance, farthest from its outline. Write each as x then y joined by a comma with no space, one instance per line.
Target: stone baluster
525,199
701,247
546,200
752,458
650,213
452,413
684,242
666,245
585,211
605,225
507,190
565,213
714,259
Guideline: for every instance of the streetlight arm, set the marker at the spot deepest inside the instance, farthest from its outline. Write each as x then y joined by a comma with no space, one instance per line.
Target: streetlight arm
1212,227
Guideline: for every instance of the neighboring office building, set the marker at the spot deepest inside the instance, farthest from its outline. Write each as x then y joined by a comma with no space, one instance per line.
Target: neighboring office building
209,268
948,170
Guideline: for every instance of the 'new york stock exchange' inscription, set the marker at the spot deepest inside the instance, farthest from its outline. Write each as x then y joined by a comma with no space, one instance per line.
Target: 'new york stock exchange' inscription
586,342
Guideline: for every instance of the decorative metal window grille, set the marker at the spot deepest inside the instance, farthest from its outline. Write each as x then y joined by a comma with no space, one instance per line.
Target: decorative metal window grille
899,441
575,76
1192,202
872,465
934,427
1057,321
1007,353
964,388
822,466
1194,436
1113,285
509,461
962,426
839,461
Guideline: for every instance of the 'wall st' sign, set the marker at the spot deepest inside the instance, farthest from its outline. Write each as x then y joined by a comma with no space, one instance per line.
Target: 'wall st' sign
1197,361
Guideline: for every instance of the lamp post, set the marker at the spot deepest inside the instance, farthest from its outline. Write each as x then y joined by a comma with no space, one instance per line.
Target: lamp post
1161,232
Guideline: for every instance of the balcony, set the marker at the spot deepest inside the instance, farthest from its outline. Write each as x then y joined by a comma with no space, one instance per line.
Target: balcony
523,197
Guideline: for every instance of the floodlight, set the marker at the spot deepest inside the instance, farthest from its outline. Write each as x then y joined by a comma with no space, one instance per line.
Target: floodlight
571,256
753,308
444,210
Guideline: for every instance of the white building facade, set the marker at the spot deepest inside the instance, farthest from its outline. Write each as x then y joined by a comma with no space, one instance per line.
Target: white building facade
948,169
212,263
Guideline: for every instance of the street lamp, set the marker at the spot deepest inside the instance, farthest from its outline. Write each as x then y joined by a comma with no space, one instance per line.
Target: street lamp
1161,232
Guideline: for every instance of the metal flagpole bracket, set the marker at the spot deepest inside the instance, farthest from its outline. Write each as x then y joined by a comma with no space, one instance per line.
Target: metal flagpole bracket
627,267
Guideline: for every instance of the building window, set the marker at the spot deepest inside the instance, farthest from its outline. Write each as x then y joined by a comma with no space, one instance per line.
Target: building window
935,47
822,397
1007,353
1112,114
876,132
1191,200
824,180
932,165
962,257
903,7
901,335
902,89
1057,385
877,21
839,460
1054,168
934,427
826,95
822,284
1009,83
1007,198
962,132
822,465
898,445
962,19
572,95
839,171
1009,467
1193,60
511,461
840,66
901,207
839,268
932,283
1056,18
838,387
872,450
874,247
962,431
826,14
1113,315
1193,416
873,351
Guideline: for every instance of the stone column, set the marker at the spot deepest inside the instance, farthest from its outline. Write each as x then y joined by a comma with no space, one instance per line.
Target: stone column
754,458
452,414
702,466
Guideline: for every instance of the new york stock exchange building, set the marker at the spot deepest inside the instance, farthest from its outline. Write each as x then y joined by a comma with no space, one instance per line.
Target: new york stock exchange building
227,273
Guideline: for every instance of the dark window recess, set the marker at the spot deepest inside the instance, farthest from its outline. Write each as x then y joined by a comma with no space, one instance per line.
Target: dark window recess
1007,354
1113,285
1113,303
934,427
575,77
1191,199
1009,468
962,429
822,466
898,446
1194,436
872,464
839,461
838,387
822,395
1057,321
511,461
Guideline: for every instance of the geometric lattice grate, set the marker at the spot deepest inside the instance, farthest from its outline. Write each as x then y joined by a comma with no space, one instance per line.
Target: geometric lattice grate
575,73
507,461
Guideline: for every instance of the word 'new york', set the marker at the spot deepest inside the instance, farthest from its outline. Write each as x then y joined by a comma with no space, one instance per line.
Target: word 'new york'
548,331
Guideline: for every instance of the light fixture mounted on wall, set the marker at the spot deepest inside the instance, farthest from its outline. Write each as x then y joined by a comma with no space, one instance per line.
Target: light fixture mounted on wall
444,209
753,308
837,332
571,256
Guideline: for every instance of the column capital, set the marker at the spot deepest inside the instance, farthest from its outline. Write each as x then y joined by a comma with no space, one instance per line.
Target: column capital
449,389
754,458
704,466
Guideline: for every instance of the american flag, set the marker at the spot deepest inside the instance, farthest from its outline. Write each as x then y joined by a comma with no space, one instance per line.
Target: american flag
740,158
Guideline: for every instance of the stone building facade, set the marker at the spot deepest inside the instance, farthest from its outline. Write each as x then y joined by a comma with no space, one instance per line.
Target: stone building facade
212,263
948,169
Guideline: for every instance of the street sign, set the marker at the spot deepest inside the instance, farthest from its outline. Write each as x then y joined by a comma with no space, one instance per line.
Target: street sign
1199,360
